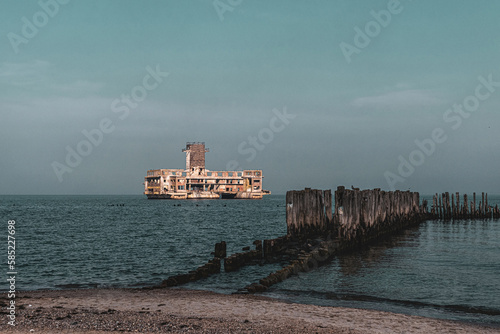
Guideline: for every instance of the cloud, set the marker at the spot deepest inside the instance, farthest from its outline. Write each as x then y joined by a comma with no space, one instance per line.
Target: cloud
79,86
38,75
399,99
24,74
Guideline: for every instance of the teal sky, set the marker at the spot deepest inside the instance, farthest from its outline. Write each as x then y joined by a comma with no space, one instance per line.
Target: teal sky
352,120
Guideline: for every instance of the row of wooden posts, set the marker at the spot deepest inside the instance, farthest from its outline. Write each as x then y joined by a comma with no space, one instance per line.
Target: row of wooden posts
359,214
317,229
362,212
446,207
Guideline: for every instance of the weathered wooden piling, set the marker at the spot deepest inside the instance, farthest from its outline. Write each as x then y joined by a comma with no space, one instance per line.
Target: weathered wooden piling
445,205
483,206
448,206
486,206
306,212
466,206
424,207
440,205
452,206
220,250
473,207
367,214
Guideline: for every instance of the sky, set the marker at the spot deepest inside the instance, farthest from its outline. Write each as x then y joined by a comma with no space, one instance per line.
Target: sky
366,93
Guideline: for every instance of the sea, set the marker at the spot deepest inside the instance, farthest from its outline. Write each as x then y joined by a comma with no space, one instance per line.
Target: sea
439,269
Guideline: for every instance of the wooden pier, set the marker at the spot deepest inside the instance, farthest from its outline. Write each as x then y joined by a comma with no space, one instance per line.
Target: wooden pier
317,230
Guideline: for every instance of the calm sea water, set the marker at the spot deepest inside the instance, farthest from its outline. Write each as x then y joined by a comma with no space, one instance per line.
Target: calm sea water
447,270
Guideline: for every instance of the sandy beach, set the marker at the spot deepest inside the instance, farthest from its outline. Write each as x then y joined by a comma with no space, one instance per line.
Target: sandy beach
180,311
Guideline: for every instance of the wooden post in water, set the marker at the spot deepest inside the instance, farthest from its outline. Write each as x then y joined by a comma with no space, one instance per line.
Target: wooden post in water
436,206
458,204
220,250
445,207
443,196
452,205
483,206
433,205
466,206
305,212
327,197
473,209
440,207
448,206
487,206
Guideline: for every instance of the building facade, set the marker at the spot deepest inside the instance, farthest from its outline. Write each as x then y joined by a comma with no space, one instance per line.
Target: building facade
197,182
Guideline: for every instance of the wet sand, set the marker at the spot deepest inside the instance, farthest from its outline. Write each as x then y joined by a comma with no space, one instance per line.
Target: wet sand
181,311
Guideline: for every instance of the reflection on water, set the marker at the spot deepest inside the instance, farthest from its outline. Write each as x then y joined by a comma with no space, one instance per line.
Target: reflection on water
372,255
440,269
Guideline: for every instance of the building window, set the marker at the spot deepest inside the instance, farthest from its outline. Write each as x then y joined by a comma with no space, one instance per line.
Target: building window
183,173
209,173
239,173
230,174
219,173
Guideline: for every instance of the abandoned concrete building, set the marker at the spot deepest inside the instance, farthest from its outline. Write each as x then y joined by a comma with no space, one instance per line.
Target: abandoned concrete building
196,182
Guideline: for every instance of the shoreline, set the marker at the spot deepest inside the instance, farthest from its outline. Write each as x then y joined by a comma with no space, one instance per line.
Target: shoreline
199,311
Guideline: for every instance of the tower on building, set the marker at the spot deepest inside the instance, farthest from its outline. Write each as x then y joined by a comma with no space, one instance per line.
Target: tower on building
195,155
